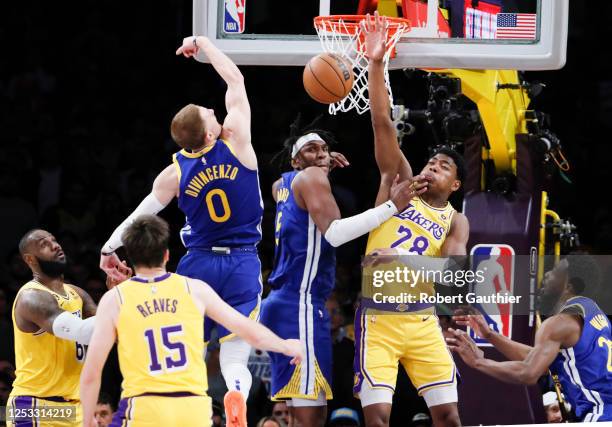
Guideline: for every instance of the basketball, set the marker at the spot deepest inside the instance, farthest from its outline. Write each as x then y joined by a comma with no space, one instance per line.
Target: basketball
328,78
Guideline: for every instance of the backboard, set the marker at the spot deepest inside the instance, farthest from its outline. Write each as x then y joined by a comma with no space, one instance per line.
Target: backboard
473,34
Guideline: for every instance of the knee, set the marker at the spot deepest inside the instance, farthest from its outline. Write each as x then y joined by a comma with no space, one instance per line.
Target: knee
449,418
379,420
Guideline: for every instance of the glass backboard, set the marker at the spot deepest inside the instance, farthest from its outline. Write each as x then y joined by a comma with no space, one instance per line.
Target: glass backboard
492,34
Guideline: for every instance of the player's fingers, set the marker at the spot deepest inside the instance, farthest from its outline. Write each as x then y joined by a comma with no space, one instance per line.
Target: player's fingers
451,341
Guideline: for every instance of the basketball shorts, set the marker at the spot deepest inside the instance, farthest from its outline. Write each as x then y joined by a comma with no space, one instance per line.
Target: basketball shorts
292,317
415,341
24,411
236,277
154,411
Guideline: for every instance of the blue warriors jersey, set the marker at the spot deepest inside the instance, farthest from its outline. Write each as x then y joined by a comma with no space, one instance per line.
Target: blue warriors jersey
585,370
304,262
220,198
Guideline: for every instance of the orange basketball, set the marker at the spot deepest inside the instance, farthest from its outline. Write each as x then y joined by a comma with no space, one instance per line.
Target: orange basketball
328,78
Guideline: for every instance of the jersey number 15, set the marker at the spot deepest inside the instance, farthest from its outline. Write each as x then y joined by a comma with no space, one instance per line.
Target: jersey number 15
177,356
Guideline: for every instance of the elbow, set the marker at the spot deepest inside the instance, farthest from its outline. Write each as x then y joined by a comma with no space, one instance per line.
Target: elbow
88,377
332,236
236,78
527,377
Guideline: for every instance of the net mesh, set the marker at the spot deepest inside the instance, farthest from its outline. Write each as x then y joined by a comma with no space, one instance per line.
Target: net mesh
342,35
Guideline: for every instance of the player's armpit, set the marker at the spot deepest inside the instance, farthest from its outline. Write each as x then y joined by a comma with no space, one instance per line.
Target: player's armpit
312,191
36,310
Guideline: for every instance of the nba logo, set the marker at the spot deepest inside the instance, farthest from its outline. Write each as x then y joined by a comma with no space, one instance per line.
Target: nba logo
496,264
234,16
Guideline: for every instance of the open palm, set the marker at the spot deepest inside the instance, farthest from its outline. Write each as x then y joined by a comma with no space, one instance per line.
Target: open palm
374,29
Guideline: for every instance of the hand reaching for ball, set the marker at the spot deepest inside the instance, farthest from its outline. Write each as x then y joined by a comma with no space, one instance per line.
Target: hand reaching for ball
375,29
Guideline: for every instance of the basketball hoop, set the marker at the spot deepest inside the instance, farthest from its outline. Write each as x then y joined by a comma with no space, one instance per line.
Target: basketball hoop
342,35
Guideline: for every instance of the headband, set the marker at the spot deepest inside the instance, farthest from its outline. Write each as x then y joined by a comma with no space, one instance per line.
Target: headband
303,140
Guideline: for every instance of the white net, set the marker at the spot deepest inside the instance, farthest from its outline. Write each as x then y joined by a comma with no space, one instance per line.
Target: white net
342,36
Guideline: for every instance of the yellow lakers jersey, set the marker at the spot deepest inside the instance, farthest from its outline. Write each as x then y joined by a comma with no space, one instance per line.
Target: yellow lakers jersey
160,337
421,229
47,366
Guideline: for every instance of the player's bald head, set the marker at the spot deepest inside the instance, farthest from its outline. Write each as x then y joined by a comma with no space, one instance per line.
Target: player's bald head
32,236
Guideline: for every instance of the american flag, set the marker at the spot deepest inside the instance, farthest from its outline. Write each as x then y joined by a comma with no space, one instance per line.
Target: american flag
516,26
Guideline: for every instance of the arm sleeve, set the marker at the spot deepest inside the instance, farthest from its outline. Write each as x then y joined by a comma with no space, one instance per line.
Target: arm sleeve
150,205
73,328
344,230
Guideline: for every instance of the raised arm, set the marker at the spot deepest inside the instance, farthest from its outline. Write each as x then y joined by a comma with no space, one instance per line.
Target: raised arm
556,332
165,188
104,337
237,123
36,310
389,158
252,332
312,192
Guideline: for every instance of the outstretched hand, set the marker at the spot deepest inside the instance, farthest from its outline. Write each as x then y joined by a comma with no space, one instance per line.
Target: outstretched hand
472,318
460,342
380,256
375,32
338,160
116,270
190,46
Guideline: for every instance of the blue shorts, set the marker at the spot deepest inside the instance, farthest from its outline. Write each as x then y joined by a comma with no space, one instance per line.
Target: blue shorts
235,277
288,316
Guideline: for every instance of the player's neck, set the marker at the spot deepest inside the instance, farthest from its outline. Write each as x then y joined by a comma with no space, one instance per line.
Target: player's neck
56,284
435,200
562,300
150,272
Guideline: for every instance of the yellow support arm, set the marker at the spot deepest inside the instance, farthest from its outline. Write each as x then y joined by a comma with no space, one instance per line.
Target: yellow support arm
502,111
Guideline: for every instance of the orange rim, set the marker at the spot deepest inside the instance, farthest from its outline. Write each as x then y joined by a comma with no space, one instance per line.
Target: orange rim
351,23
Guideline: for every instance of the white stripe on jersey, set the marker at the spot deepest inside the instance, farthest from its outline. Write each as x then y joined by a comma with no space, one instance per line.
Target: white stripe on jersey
592,396
313,252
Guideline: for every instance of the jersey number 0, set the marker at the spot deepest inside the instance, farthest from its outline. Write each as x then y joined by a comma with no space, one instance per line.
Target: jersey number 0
222,197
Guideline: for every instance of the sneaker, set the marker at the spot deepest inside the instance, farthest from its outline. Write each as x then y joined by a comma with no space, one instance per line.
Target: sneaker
235,409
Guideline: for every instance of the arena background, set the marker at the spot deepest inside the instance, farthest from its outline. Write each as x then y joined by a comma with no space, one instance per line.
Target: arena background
87,92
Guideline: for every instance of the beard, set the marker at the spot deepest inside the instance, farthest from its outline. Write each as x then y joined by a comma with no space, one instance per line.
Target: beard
547,302
52,268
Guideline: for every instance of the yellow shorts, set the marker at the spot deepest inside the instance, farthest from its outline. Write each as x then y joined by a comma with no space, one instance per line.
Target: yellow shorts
414,340
30,410
150,411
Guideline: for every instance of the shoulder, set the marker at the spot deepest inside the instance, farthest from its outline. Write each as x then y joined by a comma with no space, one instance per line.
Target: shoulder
80,291
560,327
169,172
197,287
275,187
459,224
34,300
311,175
460,220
